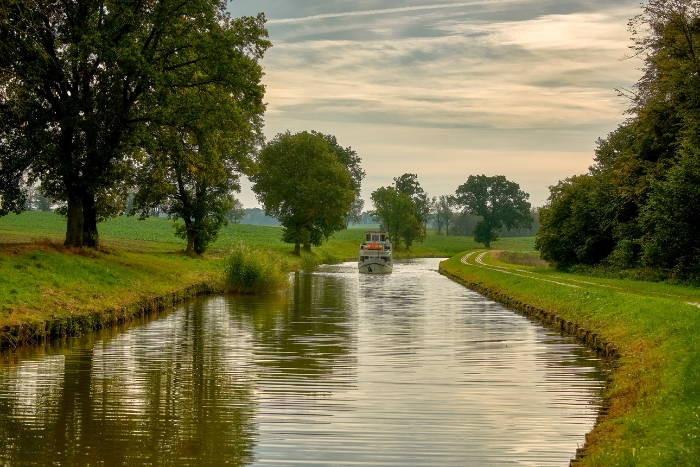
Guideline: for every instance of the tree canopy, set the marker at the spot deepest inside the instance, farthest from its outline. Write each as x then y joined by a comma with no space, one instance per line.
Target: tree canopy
500,203
402,210
308,184
83,84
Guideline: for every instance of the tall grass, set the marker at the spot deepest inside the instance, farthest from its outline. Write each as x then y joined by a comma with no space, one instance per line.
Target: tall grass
249,270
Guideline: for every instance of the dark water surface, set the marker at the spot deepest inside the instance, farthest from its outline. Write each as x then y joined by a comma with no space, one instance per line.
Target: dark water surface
403,369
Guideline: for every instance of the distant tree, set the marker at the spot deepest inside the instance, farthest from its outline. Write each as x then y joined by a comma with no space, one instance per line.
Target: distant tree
354,215
408,184
42,202
300,180
256,216
443,213
500,203
236,213
394,210
399,215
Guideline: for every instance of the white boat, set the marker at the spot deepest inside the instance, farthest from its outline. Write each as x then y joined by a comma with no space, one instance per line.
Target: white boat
375,253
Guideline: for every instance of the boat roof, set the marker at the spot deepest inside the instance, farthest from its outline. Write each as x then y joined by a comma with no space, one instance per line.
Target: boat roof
375,232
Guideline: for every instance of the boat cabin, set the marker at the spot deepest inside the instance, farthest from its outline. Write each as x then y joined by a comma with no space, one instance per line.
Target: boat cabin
375,236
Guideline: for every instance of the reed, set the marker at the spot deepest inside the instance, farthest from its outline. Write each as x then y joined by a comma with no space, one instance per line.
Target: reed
249,271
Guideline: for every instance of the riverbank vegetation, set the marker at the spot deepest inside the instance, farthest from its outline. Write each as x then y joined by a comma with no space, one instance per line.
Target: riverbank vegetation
40,279
636,208
652,414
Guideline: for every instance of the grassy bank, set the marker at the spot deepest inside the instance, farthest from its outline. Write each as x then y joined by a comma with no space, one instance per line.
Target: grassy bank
138,260
653,417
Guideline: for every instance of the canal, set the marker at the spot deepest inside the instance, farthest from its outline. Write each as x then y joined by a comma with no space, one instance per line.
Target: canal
341,370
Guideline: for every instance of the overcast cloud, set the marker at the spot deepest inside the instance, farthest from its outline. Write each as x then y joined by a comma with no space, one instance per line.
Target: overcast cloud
521,88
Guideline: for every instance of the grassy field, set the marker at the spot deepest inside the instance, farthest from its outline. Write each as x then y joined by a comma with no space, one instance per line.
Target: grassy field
157,235
653,417
40,280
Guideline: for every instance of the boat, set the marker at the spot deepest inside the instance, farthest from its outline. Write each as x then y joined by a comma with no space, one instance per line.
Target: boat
375,253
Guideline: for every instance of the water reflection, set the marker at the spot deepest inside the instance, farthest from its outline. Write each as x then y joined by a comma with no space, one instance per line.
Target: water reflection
403,369
169,392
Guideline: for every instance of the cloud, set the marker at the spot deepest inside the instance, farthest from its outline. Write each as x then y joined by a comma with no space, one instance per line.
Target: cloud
346,14
520,88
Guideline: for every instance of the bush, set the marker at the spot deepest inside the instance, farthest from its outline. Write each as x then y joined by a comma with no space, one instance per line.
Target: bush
254,271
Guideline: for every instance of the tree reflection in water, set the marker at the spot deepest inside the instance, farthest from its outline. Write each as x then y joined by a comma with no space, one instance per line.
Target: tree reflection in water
167,393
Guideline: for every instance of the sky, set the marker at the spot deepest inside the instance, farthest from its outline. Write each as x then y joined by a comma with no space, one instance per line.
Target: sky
444,90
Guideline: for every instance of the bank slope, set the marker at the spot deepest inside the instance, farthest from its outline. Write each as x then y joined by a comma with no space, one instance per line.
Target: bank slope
652,414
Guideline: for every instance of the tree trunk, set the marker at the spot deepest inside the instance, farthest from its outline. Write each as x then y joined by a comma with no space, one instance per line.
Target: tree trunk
190,242
90,235
297,250
74,225
307,247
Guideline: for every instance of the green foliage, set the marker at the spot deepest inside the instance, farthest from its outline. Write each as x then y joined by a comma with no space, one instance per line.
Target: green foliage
670,222
634,208
84,85
500,203
301,180
570,223
309,262
248,270
399,215
204,135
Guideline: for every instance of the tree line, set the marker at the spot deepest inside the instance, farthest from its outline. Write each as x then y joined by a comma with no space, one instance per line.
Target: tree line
637,205
493,203
157,107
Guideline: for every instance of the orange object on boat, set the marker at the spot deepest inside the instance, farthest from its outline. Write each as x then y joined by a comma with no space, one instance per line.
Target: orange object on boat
373,246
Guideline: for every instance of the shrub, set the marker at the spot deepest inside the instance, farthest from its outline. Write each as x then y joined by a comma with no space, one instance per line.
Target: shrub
254,271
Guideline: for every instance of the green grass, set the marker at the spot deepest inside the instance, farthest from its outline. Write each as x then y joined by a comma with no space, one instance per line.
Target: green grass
249,270
40,280
654,395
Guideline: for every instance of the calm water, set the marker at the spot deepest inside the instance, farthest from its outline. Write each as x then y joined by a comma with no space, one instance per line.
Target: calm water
403,369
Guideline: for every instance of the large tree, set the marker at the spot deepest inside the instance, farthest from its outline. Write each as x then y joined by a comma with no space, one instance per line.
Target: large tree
500,203
81,81
197,145
307,184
